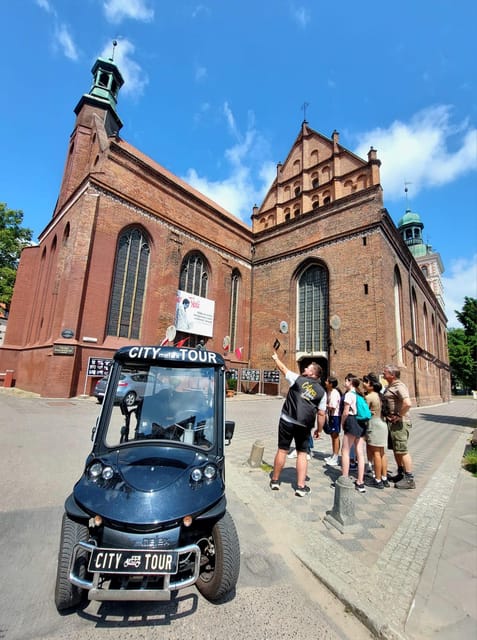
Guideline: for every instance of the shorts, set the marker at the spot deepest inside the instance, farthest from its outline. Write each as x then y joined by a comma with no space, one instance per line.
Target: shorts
333,425
354,428
288,432
377,433
399,432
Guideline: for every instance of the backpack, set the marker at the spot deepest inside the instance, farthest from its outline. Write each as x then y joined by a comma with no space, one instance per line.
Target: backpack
362,410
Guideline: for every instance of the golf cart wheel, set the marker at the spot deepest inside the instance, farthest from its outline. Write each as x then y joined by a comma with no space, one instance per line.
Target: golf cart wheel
220,560
129,399
67,595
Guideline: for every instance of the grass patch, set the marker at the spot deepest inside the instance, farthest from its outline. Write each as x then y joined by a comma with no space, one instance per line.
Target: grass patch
470,461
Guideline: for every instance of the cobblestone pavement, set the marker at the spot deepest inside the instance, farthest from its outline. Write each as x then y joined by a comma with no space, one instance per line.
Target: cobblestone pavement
376,565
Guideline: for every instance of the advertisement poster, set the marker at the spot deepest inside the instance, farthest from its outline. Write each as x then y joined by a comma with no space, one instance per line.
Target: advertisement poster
194,314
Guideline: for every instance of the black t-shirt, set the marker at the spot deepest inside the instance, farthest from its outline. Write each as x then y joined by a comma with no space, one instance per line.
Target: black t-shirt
302,401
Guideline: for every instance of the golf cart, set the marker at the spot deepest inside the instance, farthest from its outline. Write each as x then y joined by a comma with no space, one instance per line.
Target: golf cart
148,516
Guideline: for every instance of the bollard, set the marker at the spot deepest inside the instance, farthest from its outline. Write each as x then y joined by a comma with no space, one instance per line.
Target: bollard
256,454
342,514
8,380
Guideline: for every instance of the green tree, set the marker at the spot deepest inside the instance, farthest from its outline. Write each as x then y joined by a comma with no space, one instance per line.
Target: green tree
13,238
463,346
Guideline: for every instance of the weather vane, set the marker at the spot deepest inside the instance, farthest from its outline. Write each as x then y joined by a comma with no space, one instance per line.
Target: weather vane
115,44
304,106
405,191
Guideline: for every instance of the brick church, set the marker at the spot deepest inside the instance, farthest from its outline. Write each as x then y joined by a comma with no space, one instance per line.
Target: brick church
133,254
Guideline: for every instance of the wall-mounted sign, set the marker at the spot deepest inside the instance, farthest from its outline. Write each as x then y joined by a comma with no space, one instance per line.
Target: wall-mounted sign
67,333
63,350
194,314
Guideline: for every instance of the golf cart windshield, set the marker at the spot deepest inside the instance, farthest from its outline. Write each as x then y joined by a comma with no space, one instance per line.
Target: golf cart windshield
176,404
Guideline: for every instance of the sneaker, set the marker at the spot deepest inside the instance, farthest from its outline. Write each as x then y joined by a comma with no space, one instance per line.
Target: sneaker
308,456
292,454
353,466
301,492
333,461
274,485
360,487
378,484
405,483
369,473
399,476
328,458
386,484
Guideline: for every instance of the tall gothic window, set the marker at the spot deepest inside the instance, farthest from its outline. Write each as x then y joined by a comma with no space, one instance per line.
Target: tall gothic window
194,275
313,310
234,300
398,313
129,283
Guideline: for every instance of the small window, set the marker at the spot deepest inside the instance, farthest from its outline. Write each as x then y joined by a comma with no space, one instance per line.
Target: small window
368,345
327,200
365,289
315,183
364,241
297,191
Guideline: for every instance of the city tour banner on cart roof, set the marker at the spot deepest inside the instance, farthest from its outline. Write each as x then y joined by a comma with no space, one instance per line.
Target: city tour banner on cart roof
194,314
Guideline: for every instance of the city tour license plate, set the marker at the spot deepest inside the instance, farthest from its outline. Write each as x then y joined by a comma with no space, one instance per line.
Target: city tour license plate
129,561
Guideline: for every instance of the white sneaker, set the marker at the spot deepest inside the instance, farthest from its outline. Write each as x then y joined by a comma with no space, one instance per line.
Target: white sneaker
292,454
333,461
308,457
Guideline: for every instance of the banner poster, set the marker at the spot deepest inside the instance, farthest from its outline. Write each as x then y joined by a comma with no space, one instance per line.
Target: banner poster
194,314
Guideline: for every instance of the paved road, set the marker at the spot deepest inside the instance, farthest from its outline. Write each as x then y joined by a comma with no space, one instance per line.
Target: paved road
44,443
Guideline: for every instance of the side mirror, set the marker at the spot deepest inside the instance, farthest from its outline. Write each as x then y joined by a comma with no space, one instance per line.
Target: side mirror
229,431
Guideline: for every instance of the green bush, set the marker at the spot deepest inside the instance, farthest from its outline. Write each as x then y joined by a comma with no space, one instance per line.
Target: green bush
470,461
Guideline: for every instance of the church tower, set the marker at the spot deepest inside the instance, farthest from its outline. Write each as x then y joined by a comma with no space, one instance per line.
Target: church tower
96,121
410,227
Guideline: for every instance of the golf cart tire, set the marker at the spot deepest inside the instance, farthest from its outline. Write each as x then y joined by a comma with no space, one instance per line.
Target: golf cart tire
218,580
67,595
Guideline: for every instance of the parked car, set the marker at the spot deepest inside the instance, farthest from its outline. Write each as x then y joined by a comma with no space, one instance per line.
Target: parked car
149,516
131,387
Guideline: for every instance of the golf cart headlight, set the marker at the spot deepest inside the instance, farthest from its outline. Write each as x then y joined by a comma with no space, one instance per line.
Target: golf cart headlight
108,473
196,474
210,471
95,470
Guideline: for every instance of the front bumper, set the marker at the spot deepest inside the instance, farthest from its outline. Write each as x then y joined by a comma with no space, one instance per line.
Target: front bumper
104,586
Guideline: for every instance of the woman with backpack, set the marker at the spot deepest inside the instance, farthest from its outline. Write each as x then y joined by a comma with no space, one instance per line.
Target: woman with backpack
377,433
354,430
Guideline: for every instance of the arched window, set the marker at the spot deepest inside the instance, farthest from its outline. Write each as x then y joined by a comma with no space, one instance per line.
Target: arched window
313,309
234,302
129,283
398,313
194,276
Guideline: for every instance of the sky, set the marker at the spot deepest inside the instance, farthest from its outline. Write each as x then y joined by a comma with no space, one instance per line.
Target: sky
216,92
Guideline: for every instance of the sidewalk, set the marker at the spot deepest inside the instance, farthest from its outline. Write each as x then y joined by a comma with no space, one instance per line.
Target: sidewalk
408,567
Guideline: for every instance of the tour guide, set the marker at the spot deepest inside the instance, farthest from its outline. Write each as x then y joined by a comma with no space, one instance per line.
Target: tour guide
305,399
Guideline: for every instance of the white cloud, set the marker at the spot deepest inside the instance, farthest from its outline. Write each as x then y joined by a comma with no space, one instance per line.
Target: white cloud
461,282
300,15
428,151
239,190
65,40
200,73
118,10
200,8
135,79
46,6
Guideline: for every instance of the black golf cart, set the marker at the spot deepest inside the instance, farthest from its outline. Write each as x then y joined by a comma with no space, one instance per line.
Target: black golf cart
148,516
